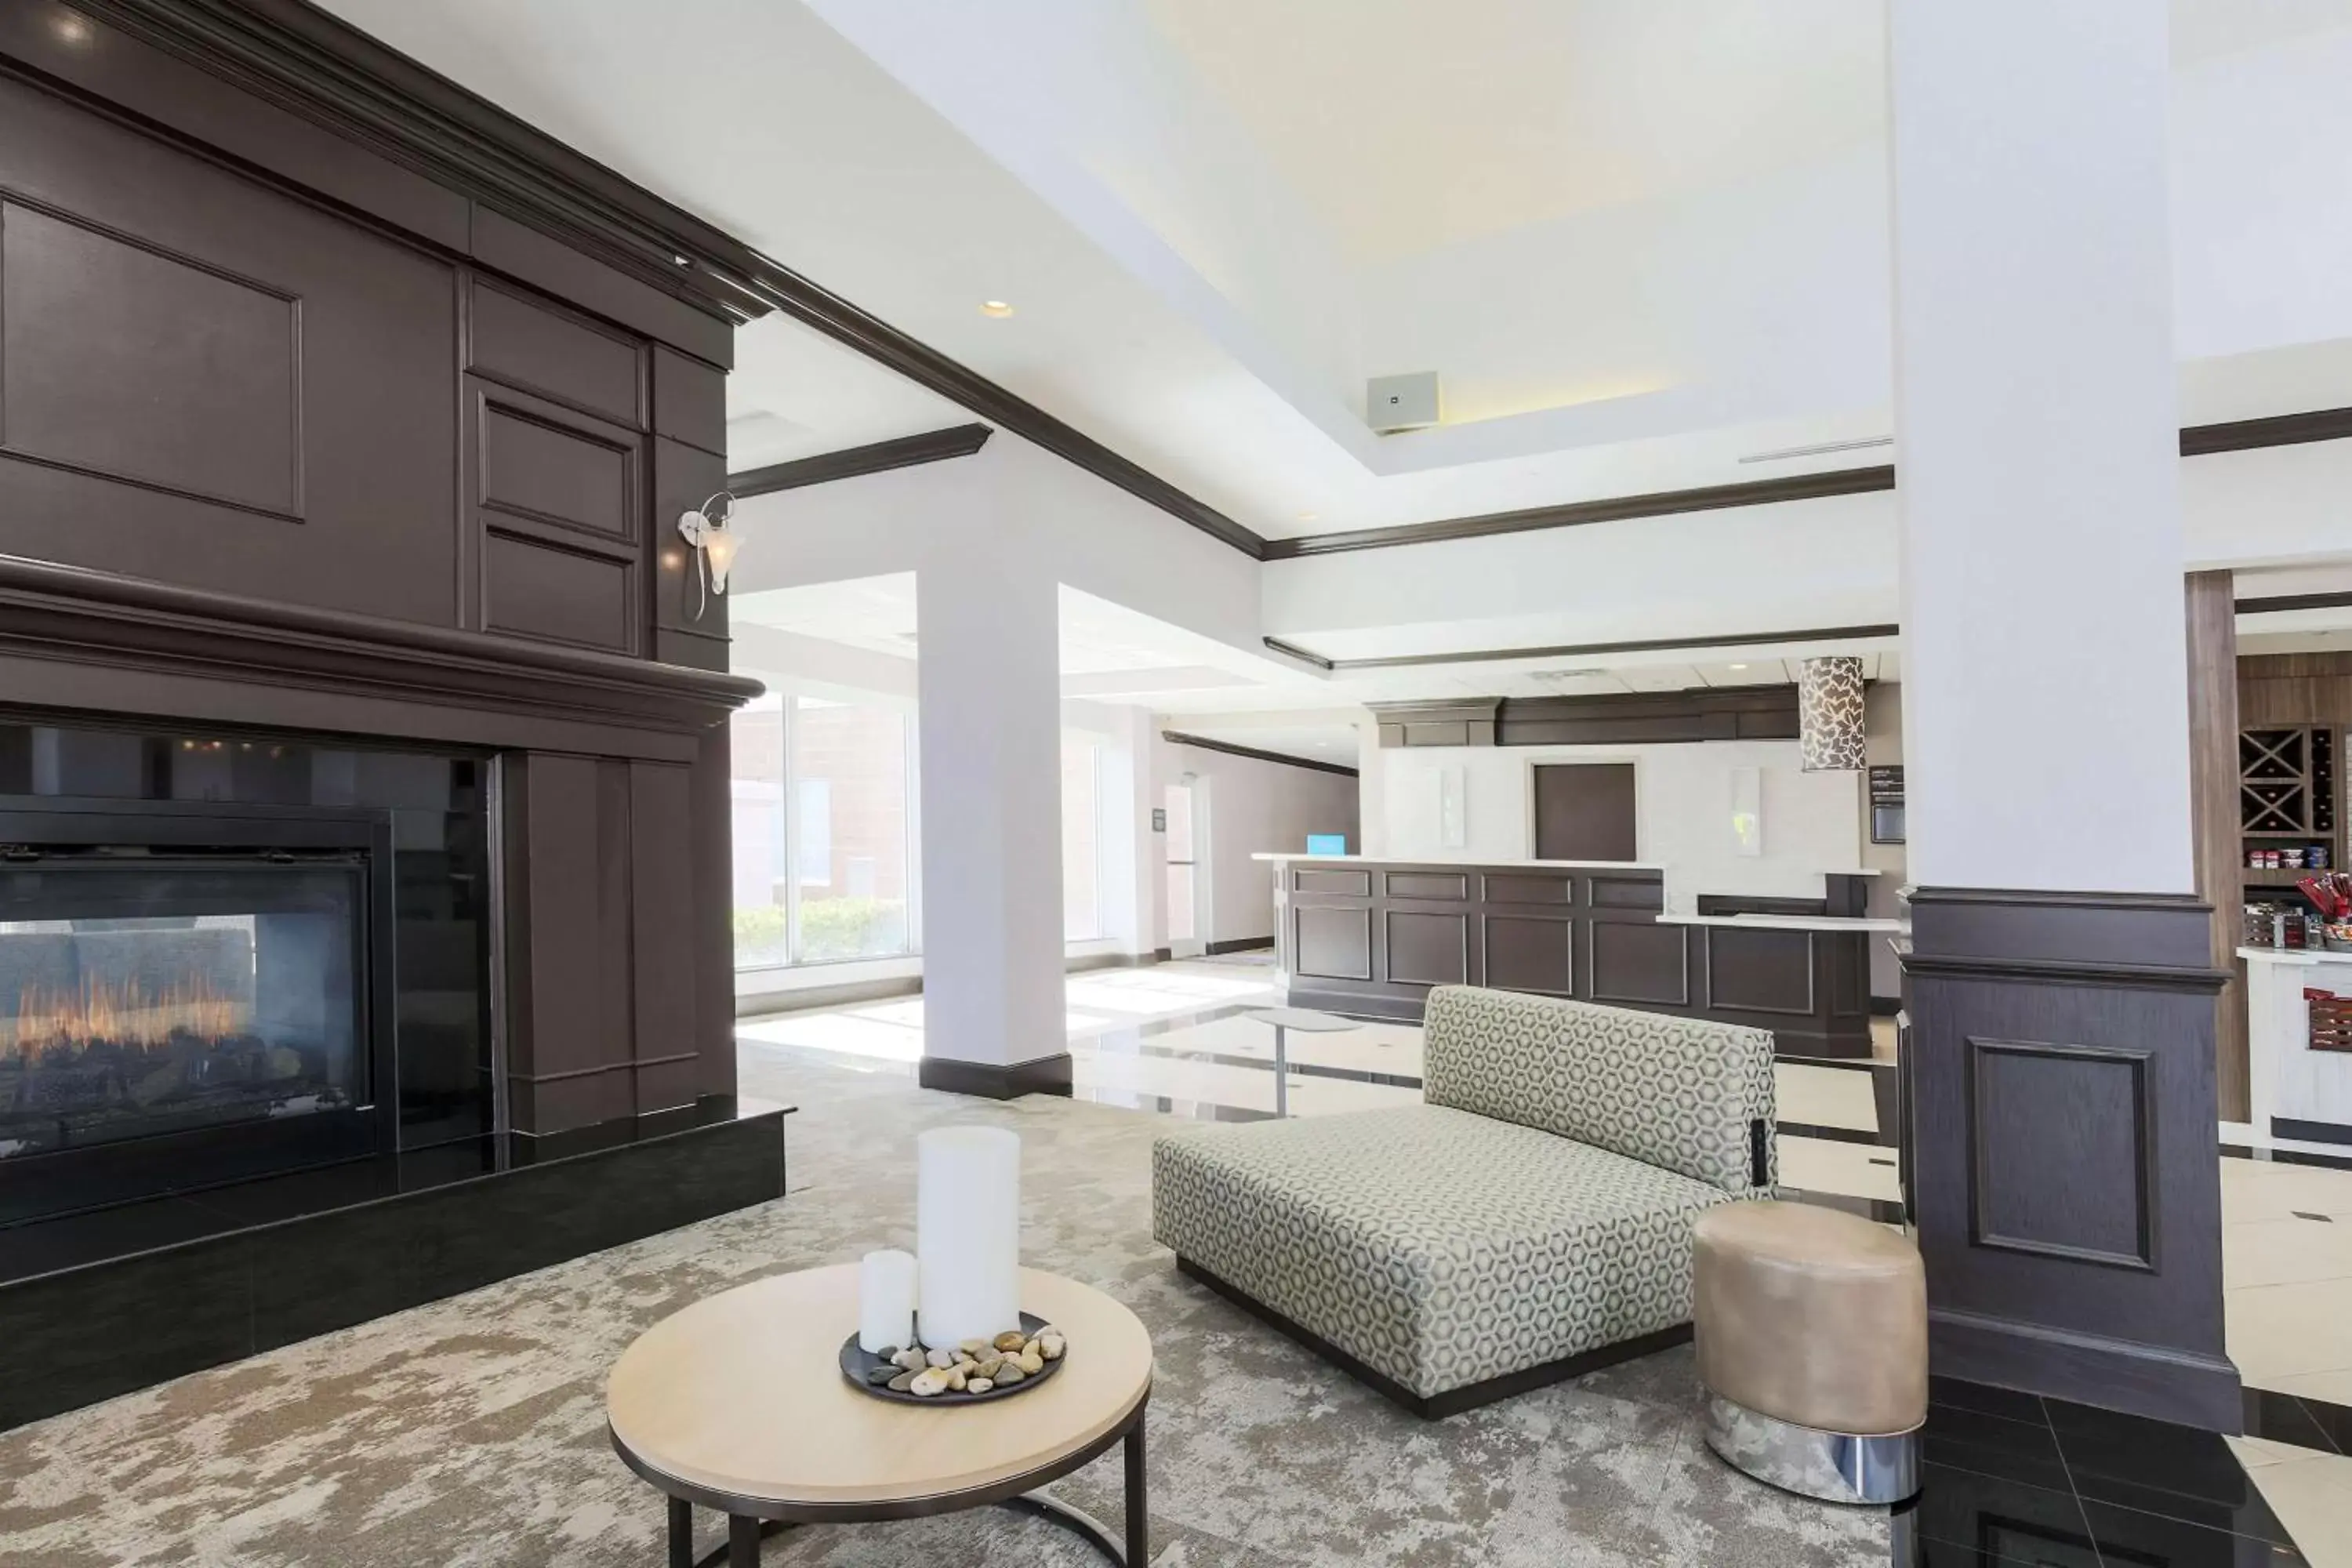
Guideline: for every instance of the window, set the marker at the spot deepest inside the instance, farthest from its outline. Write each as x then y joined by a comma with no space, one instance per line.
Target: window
1081,837
822,794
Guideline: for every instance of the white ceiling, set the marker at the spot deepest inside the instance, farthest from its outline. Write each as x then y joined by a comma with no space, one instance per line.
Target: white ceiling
1639,239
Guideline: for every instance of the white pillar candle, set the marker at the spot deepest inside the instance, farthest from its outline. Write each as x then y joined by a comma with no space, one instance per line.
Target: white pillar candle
886,1301
966,1234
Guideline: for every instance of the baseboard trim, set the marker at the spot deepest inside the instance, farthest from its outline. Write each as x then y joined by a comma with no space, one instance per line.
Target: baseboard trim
2155,1381
1240,944
1452,1400
2310,1131
1886,1007
996,1080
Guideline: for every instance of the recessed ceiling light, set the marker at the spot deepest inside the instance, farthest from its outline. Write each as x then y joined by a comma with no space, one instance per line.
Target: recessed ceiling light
1739,667
996,308
1308,516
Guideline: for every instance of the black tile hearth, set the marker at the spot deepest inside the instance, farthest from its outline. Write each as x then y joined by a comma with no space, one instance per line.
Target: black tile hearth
2012,1479
103,1303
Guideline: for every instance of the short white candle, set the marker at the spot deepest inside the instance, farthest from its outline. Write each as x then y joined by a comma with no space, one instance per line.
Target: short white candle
886,1301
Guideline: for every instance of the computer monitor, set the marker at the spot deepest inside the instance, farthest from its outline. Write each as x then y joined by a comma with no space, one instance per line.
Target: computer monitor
1327,844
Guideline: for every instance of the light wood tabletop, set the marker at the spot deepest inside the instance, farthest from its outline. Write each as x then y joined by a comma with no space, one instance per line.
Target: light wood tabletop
741,1394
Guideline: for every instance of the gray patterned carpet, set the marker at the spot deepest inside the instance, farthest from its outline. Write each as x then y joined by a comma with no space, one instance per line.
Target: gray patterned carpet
471,1431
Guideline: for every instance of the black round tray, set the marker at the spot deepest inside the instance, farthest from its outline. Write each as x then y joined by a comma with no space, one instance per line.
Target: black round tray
856,1363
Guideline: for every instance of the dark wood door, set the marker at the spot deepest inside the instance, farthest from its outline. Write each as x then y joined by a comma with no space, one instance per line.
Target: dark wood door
1584,811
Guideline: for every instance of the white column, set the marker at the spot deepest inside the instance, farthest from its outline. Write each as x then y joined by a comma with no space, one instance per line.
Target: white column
988,652
1371,790
2045,699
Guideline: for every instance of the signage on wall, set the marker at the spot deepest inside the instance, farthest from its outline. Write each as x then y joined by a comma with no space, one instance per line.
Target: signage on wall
1159,819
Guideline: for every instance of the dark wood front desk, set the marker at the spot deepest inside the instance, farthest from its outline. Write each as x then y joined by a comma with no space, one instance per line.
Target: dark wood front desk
1370,937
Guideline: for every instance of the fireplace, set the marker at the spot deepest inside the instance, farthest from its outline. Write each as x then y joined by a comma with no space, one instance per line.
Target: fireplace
188,994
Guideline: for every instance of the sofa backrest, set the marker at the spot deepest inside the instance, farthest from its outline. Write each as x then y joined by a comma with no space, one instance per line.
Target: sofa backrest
1690,1096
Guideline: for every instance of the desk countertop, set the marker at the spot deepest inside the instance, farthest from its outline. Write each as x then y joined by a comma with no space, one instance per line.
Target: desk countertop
1791,923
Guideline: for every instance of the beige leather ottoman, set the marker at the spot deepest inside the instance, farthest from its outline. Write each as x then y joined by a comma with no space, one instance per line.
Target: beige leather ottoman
1811,1326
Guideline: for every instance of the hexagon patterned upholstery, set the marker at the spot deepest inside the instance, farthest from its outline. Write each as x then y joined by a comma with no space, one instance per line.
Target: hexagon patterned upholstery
1446,1244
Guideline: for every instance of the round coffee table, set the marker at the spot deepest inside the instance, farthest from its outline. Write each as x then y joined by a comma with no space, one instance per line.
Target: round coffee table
737,1404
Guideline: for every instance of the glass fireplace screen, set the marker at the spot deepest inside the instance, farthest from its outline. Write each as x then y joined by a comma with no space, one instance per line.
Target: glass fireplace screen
156,995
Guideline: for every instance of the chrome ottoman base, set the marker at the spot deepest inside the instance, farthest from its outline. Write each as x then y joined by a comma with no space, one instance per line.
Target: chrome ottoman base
1835,1467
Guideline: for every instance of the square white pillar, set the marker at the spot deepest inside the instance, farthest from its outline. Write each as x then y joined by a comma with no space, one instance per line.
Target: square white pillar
987,658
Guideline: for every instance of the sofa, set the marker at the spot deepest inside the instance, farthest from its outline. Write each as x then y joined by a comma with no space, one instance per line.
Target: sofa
1530,1221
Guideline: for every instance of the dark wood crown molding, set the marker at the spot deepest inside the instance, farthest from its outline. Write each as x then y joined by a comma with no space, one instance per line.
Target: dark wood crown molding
1178,738
875,458
77,614
1610,509
302,59
2276,430
1582,650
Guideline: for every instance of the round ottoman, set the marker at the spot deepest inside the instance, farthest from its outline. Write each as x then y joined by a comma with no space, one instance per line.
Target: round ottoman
1812,1328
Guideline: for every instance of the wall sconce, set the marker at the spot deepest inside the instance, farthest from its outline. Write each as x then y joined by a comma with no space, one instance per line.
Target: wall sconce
1830,714
706,531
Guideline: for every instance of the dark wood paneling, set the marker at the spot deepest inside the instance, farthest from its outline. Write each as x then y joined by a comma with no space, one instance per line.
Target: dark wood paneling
2035,1108
712,912
1584,811
663,871
534,468
1528,888
854,462
1425,885
2212,636
199,334
1332,945
2101,1121
1443,722
684,477
691,401
1739,713
131,362
565,357
1425,949
1349,884
1636,964
1759,971
1531,952
1630,890
535,589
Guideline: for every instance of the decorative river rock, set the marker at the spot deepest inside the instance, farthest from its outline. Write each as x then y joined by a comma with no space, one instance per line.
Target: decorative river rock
1013,1360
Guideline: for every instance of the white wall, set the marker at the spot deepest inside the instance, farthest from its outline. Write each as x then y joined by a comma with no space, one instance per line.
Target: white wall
1813,822
1253,807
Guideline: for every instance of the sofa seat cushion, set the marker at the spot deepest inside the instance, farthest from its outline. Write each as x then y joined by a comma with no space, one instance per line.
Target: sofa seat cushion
1438,1247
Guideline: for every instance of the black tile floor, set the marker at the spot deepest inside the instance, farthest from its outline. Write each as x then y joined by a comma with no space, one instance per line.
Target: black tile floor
2014,1479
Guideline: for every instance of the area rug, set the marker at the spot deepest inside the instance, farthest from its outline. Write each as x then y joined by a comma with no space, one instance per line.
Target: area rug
471,1432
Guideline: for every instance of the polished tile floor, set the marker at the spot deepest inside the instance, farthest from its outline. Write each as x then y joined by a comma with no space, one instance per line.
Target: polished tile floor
2012,1479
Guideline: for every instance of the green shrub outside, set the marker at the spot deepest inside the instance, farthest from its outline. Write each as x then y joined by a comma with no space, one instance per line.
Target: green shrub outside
830,928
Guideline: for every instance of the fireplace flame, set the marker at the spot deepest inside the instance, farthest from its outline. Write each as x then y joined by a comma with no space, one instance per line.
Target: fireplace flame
70,1018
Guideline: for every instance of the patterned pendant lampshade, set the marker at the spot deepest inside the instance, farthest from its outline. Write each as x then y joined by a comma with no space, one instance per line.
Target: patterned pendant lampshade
1829,713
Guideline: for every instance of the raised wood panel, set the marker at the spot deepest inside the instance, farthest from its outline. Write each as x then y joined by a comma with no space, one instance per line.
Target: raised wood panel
539,590
1759,971
1516,889
1584,811
2061,1152
1629,962
691,401
1426,885
199,334
662,875
1644,892
559,356
1331,944
1428,949
131,362
1531,952
531,467
1344,884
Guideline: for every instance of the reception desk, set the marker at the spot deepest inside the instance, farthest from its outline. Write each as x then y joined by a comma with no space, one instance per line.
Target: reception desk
1370,937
